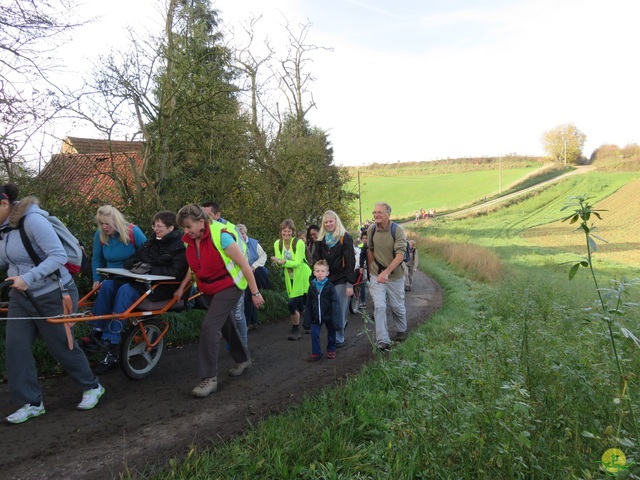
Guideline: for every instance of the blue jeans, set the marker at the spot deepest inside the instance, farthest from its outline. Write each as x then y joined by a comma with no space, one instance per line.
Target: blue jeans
341,289
316,329
241,321
113,297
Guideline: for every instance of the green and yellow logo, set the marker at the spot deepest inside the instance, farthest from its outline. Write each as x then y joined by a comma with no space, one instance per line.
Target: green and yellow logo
614,461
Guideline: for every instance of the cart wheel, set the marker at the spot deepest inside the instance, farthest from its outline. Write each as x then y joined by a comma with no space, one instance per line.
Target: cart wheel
354,301
136,360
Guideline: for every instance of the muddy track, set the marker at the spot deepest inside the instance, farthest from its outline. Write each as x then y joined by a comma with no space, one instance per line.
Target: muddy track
143,423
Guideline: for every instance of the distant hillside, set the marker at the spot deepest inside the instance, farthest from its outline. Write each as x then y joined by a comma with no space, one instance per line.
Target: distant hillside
444,185
617,164
449,166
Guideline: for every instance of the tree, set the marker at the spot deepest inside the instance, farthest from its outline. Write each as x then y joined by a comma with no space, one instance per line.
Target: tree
29,32
291,169
178,89
564,143
605,151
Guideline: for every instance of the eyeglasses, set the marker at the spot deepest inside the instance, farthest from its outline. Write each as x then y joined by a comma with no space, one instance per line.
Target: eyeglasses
157,226
379,213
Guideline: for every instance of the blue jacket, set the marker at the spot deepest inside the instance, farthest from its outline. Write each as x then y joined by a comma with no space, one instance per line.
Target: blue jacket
114,253
323,306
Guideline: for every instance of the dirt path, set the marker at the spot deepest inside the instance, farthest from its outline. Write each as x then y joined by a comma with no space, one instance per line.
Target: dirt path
146,422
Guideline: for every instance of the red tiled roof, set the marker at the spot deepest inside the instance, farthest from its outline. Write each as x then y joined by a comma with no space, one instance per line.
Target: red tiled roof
91,176
92,146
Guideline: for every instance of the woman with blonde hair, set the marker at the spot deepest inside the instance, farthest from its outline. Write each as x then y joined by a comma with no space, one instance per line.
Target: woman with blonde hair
115,241
290,254
335,246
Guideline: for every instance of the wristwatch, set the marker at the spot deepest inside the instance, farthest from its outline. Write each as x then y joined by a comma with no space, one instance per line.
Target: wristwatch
255,294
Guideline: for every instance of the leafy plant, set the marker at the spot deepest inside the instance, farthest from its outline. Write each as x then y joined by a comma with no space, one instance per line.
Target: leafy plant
610,303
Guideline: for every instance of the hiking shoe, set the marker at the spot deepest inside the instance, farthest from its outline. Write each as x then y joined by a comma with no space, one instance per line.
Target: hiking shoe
363,306
239,368
314,357
295,333
109,361
384,347
401,336
307,331
205,387
339,344
331,355
26,412
90,398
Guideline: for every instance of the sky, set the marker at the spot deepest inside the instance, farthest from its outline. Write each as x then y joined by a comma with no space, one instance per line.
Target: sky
418,80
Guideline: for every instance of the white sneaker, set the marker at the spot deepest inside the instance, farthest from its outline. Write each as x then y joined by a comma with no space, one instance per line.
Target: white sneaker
239,368
90,398
205,387
25,413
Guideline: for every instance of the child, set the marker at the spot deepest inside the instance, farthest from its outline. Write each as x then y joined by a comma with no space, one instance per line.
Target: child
323,307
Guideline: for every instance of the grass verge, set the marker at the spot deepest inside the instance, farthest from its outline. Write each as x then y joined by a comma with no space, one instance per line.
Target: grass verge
507,380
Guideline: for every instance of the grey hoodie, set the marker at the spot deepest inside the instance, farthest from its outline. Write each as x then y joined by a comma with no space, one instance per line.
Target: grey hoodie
45,242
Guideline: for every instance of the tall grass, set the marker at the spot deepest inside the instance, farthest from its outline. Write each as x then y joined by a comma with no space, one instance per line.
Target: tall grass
478,263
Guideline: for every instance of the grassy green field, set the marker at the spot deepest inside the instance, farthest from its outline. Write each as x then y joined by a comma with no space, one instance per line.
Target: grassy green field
513,377
442,192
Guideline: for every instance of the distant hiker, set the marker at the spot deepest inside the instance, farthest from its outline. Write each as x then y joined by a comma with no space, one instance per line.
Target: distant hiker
363,268
312,238
257,260
412,265
386,265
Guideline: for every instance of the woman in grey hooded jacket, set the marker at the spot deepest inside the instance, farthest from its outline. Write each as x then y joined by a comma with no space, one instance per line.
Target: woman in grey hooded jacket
46,283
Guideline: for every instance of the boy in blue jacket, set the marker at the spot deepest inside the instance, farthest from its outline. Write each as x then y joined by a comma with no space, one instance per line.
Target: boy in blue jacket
322,308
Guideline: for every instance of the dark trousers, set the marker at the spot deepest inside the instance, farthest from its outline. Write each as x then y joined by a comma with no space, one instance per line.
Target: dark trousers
250,312
316,330
22,375
219,322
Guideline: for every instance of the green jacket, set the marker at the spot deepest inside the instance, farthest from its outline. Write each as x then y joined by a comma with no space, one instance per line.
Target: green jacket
296,271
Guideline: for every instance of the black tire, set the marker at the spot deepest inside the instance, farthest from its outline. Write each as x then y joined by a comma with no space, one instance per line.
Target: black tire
354,300
136,361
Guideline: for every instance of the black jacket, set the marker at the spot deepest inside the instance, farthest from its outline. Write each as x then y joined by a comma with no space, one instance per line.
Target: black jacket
166,257
341,259
322,307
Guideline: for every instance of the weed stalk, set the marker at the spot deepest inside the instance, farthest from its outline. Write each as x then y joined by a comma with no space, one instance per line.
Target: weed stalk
582,211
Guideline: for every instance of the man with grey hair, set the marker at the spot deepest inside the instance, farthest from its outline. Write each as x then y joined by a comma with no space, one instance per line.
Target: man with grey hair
387,243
